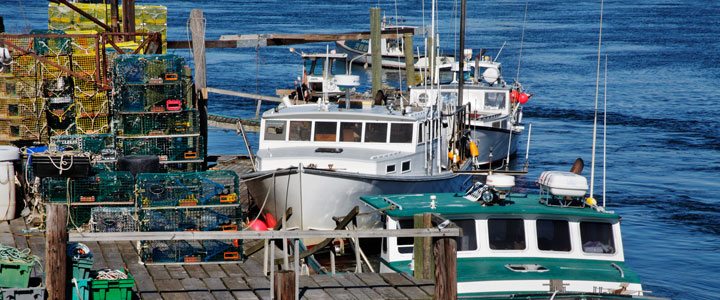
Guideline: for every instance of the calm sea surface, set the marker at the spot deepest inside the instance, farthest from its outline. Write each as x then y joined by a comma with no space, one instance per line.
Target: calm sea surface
663,85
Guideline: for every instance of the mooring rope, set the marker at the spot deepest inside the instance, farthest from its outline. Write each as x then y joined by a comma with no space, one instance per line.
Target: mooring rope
8,253
109,274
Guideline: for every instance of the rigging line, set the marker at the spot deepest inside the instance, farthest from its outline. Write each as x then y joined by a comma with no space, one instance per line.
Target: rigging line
522,43
597,95
605,130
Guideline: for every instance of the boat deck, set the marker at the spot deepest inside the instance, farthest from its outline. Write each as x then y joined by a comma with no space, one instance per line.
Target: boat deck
241,280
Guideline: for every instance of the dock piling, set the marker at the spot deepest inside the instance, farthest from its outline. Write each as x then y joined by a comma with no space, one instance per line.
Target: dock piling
409,59
56,238
375,50
285,285
422,249
445,250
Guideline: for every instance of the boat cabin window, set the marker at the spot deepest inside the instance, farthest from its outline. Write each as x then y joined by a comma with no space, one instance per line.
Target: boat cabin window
448,97
401,133
494,100
467,242
506,234
325,131
376,132
350,132
390,169
300,130
315,66
405,166
553,235
597,237
275,130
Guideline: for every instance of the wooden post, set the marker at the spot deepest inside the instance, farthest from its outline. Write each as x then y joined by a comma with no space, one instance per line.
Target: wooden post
197,30
285,285
409,59
375,50
114,17
56,237
445,250
431,54
129,17
422,250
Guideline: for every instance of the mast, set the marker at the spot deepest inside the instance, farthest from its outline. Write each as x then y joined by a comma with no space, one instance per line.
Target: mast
461,54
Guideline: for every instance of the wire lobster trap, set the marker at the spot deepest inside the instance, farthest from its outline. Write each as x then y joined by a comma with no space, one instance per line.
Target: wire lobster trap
114,219
147,69
184,122
168,148
161,97
21,107
219,187
101,188
92,123
93,143
191,251
182,167
18,87
51,46
192,219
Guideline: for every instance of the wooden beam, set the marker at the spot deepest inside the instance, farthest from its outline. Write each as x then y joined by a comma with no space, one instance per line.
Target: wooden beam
284,286
244,95
56,238
445,250
197,31
423,249
259,235
375,50
280,39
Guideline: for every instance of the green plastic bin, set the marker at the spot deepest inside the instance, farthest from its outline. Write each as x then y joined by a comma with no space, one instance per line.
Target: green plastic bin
121,289
81,268
81,291
15,274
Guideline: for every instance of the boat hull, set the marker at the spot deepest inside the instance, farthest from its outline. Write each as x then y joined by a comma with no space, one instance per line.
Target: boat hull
318,195
494,141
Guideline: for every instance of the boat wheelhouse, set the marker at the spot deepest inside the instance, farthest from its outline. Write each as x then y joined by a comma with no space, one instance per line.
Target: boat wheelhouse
495,110
319,158
518,244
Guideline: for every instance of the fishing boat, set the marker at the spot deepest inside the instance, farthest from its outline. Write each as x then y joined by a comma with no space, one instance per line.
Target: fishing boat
548,244
495,107
317,77
319,158
393,55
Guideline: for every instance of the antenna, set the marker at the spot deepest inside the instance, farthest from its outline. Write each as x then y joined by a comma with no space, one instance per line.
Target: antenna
597,94
522,41
527,149
500,51
605,131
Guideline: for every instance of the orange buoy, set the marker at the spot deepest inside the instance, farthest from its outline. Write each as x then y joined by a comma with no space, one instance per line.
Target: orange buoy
270,220
257,225
474,152
450,155
514,95
523,98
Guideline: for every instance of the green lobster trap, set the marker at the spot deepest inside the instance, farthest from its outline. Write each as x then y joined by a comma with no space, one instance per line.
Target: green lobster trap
177,149
51,46
192,219
161,97
104,187
217,187
114,219
184,122
147,69
191,251
93,143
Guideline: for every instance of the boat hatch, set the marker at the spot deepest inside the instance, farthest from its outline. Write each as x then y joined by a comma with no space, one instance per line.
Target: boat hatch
526,268
329,150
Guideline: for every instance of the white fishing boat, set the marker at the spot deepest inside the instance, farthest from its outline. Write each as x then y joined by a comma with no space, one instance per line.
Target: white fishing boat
548,244
319,158
317,77
495,112
392,50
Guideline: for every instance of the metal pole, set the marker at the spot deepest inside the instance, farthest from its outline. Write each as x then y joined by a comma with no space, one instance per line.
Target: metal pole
375,50
461,80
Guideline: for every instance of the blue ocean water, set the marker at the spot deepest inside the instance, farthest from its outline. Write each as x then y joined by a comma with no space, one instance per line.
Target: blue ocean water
663,140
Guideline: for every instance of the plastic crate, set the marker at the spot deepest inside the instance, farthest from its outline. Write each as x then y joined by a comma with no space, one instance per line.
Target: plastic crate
181,148
159,123
79,290
15,274
81,267
192,219
34,293
120,289
188,189
114,219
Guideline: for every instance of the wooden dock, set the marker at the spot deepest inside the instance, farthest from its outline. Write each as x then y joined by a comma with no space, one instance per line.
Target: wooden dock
227,280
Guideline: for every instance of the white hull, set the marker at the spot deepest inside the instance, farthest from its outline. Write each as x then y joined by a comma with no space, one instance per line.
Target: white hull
513,286
495,141
316,196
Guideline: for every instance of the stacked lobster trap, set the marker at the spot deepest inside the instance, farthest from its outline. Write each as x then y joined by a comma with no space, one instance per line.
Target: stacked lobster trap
155,111
191,201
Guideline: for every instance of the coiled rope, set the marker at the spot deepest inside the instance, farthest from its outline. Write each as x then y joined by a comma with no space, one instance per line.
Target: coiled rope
109,274
12,254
